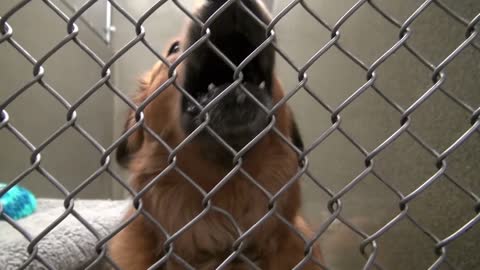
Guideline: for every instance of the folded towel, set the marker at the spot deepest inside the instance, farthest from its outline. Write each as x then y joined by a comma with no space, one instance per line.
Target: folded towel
70,245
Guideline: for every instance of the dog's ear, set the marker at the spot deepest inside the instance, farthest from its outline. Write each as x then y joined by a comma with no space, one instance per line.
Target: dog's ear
296,136
127,148
288,125
132,144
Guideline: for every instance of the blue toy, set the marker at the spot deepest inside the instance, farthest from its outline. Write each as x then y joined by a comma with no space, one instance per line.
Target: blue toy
18,202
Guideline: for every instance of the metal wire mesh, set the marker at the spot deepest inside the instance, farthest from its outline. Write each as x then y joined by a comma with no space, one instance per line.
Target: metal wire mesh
368,248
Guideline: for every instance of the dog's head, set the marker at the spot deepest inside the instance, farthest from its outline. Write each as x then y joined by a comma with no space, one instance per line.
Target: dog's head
236,112
236,117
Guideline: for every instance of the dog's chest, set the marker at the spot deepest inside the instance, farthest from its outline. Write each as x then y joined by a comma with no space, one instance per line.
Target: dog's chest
210,228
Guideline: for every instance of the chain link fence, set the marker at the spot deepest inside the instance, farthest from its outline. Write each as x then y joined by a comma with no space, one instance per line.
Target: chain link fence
369,246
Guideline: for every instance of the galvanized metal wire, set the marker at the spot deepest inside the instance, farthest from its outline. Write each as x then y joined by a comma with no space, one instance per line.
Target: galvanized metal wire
368,248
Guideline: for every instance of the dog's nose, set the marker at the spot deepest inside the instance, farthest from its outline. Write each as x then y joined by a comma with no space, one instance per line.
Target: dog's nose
236,32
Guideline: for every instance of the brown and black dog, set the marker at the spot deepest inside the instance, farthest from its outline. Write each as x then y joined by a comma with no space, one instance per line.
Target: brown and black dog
172,201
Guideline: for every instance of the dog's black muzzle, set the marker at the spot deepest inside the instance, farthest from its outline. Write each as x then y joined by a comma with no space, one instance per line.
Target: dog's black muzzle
234,114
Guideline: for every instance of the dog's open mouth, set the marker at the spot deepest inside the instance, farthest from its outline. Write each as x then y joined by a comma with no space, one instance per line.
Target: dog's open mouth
234,112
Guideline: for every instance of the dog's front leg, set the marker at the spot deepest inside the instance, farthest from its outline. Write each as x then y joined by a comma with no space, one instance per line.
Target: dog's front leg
134,247
291,250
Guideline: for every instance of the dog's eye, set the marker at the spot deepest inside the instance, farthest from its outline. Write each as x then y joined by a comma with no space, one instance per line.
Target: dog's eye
174,48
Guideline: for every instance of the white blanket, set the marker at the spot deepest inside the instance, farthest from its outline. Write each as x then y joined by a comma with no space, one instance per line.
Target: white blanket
69,246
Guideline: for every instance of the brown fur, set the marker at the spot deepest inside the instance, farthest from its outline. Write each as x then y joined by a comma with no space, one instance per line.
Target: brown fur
174,202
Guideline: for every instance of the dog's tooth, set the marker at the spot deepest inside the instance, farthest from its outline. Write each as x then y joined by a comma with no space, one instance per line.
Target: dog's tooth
211,87
191,108
241,97
262,85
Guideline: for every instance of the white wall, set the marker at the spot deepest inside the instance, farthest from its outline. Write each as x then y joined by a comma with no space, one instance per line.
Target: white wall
70,158
333,77
370,120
